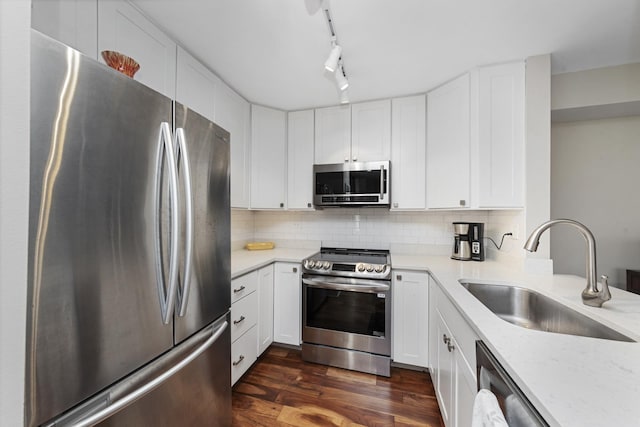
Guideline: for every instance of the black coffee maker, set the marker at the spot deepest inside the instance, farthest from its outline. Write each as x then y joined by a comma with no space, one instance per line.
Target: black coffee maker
468,244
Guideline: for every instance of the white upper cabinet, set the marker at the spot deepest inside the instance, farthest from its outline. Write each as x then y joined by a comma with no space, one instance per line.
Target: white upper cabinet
371,131
72,22
300,131
233,113
268,158
195,85
408,133
122,28
448,145
501,135
333,135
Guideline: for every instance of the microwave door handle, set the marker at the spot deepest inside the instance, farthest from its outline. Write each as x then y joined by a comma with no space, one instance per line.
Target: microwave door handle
381,182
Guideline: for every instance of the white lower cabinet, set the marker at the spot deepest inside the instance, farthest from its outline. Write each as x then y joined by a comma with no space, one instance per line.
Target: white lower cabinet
243,353
453,356
287,303
410,293
244,315
265,308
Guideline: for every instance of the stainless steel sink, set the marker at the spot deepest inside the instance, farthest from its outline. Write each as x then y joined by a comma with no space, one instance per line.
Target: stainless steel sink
532,310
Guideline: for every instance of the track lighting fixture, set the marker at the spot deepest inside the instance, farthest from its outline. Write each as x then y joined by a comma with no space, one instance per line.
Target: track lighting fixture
341,79
332,61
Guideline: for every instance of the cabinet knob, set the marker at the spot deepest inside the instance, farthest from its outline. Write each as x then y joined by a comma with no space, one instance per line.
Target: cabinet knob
398,276
450,347
295,269
355,159
445,339
309,205
282,205
346,159
463,202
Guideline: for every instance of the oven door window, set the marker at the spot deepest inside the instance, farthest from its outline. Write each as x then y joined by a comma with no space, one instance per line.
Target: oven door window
352,182
346,311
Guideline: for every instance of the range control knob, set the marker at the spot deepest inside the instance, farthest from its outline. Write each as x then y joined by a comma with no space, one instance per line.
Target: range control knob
326,265
369,268
361,267
311,264
379,268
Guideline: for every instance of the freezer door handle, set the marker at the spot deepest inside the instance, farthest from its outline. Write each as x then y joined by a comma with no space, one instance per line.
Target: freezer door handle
183,294
167,294
120,403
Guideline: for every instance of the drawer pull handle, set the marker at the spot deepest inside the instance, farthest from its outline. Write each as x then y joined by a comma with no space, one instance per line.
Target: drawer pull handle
240,289
446,339
450,347
235,322
237,362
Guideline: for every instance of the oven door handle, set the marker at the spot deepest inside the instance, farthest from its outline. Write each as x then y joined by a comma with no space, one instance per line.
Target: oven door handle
353,287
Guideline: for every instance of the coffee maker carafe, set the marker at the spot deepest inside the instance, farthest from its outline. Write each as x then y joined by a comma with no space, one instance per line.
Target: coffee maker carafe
461,245
468,241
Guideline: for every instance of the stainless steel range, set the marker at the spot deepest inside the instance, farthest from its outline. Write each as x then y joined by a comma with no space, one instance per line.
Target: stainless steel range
346,309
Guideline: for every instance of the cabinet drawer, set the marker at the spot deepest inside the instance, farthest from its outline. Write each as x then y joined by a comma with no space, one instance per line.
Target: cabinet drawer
243,353
243,285
460,329
244,314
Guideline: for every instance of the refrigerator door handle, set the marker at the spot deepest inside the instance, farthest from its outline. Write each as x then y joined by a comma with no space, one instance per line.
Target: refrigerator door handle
124,401
167,294
183,296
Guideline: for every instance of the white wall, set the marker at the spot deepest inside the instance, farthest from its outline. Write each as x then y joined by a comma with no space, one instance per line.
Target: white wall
375,228
15,17
595,176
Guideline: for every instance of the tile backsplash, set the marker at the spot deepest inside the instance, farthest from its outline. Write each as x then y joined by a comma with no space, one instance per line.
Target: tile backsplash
376,228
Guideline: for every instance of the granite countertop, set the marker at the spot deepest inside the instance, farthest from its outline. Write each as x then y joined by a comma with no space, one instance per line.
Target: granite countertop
571,380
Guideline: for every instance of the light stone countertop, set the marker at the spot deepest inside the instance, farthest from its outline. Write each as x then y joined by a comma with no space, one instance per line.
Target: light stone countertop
571,380
244,261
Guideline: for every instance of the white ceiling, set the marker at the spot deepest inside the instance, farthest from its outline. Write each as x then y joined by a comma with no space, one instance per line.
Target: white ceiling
272,51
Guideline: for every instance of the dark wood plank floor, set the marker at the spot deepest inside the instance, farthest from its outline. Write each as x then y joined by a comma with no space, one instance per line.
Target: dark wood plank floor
282,390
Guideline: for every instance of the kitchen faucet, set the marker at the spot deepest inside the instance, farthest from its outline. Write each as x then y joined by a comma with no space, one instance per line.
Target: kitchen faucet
590,295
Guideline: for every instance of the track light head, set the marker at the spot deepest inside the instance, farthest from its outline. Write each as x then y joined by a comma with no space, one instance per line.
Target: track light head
344,97
332,61
341,79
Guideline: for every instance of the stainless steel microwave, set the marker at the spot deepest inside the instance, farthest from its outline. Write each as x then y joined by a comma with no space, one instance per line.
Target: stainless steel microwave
352,184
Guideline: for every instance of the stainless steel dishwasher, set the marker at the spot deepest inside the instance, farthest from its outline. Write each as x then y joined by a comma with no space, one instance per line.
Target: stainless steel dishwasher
517,409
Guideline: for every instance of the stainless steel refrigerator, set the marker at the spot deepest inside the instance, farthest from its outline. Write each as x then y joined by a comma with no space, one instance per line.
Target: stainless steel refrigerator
129,252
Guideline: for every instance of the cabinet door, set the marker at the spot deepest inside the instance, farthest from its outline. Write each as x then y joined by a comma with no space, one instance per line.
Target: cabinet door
233,113
287,302
371,131
300,160
444,381
268,133
410,317
195,85
501,135
465,389
408,147
448,145
333,135
265,308
73,22
122,28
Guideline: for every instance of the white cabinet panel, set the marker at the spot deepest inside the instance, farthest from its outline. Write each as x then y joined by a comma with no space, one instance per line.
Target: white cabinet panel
444,381
244,315
287,303
448,145
268,158
122,28
233,113
195,85
333,135
73,22
243,354
265,308
408,148
371,131
410,317
501,135
300,127
243,286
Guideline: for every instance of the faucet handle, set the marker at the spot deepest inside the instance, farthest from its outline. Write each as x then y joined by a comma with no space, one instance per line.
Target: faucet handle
604,292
